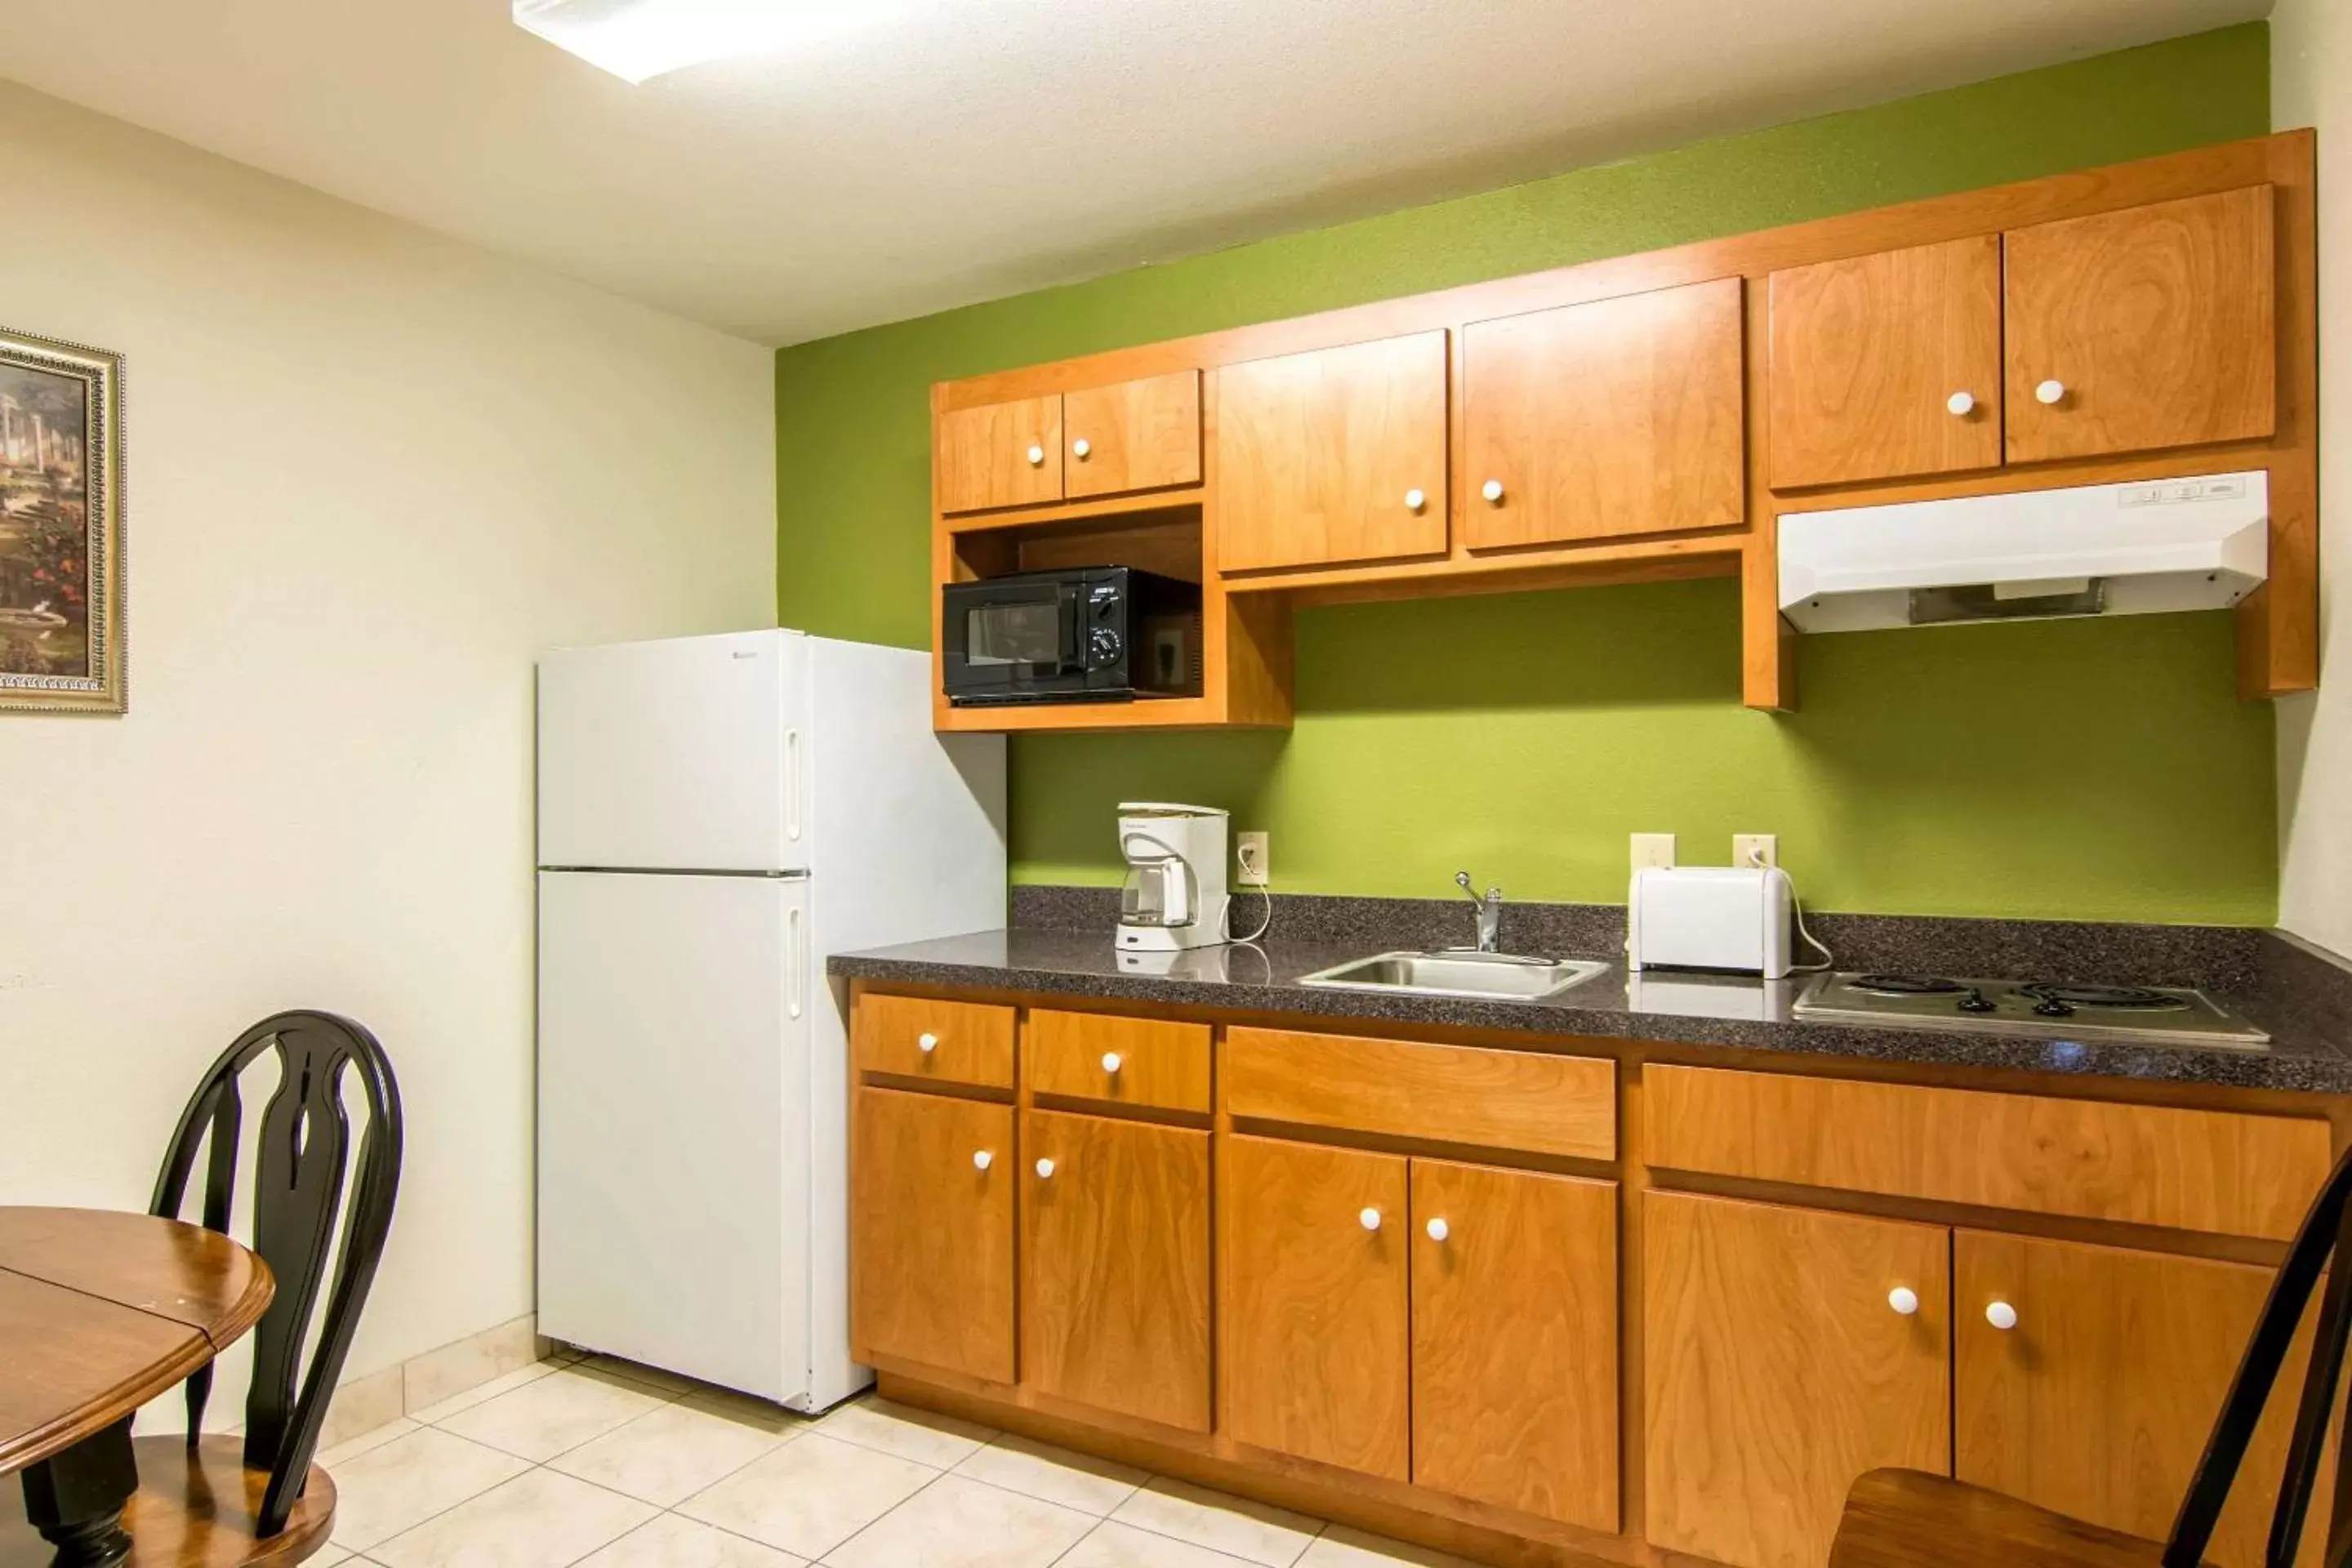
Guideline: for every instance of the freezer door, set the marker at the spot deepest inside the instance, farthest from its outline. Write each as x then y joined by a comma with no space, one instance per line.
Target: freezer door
674,1122
687,755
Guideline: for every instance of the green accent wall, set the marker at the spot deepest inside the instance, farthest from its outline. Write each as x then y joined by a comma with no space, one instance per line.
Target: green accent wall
2084,770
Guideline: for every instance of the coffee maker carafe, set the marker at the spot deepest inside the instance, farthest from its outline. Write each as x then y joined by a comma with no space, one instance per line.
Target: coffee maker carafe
1174,896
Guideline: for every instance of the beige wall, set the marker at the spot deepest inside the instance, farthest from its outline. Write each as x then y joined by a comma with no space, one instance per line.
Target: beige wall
2311,66
371,471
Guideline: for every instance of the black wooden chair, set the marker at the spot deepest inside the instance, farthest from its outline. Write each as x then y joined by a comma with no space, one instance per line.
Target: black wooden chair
212,1499
1907,1518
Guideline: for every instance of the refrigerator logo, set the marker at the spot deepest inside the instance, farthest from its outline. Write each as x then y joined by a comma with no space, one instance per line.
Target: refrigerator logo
742,653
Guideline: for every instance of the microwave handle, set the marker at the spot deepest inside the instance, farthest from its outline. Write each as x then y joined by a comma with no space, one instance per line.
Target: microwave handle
1072,600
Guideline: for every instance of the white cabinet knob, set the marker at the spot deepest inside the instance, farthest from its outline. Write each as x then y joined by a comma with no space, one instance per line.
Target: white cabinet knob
2049,392
1036,457
1369,1218
1080,448
1904,1300
981,1159
1492,489
1438,1230
1110,1061
2001,1316
1415,501
927,1043
1961,404
1044,1167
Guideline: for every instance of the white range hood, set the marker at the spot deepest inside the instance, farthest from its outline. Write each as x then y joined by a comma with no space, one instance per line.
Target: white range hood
2117,549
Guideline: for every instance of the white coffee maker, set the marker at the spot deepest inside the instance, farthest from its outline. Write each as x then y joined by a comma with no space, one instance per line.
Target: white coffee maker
1174,897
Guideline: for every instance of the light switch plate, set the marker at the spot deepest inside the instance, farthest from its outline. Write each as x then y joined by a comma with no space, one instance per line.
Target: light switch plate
1654,850
1250,851
1752,850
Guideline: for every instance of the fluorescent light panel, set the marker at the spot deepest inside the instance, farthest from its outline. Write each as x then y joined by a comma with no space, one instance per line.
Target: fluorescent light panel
639,40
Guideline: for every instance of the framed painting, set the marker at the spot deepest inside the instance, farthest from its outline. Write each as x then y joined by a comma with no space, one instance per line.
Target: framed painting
60,527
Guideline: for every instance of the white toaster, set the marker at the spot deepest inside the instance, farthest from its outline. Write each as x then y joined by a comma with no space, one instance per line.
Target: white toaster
1729,919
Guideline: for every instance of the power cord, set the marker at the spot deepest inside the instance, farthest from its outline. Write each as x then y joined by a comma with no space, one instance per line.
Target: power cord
1797,912
1265,891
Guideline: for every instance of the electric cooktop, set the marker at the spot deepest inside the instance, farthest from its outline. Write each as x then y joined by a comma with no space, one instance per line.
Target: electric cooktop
2155,1013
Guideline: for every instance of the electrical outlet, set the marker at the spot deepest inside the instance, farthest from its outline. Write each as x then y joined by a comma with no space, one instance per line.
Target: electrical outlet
1755,849
1652,850
1249,849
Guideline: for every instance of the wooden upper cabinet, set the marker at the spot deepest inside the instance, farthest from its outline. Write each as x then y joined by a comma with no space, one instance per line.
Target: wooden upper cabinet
1778,1370
1886,367
1000,454
1604,420
1333,455
931,1243
1137,436
2098,1399
1515,1340
2144,328
1114,1277
1314,1355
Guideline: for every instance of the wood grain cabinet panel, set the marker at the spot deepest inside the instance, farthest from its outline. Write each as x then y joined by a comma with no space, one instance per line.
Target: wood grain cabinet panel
1776,1371
2153,326
1886,367
1136,436
1607,419
930,1247
1154,1062
1320,455
933,1040
1115,1281
1000,454
1315,1347
2097,1403
1515,1340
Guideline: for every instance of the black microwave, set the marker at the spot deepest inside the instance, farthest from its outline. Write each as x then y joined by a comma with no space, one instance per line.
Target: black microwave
1080,634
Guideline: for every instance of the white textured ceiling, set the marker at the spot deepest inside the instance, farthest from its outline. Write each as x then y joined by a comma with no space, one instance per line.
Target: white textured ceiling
968,149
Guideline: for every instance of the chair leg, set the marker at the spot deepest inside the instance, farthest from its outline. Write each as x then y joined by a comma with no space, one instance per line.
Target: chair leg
76,1498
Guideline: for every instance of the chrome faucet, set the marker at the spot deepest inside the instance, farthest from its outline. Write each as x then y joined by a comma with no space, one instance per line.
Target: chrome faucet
1490,912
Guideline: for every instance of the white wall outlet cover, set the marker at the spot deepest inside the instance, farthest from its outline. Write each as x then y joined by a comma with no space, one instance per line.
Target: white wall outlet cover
1653,849
1756,851
1250,851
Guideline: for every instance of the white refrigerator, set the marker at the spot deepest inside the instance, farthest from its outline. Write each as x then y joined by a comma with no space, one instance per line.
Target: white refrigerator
716,815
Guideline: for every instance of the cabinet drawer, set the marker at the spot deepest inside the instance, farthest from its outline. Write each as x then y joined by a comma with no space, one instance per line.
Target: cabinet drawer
2217,1170
1454,1094
1120,1061
922,1038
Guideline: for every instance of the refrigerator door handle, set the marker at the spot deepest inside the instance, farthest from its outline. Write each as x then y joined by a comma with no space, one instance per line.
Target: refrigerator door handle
796,962
793,785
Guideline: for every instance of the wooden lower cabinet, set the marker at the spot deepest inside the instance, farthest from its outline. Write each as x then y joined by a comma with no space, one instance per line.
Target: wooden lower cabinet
1114,1264
1316,1343
930,1244
1778,1369
1515,1340
2098,1400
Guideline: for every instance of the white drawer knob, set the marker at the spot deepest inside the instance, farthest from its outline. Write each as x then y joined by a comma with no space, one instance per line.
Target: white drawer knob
1415,501
1036,457
927,1043
1080,448
981,1159
1438,1230
1904,1300
1044,1167
2001,1316
2049,392
1369,1218
1492,489
1961,404
1110,1061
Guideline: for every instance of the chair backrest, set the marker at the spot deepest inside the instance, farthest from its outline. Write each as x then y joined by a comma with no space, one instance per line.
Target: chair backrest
300,1213
2327,1229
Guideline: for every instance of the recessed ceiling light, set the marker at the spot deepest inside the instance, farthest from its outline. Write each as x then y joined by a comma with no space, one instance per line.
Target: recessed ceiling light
638,40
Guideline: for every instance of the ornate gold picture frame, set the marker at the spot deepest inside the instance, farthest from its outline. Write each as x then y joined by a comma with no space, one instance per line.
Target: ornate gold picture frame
61,600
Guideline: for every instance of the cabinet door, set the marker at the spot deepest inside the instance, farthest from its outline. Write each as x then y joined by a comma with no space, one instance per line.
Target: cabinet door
2098,1400
1606,419
1115,1295
1779,1367
1515,1340
1888,365
1137,435
1334,456
2150,327
1001,453
1315,1340
931,1248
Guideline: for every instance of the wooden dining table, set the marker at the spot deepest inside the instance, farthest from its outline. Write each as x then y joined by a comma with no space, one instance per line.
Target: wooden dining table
101,1311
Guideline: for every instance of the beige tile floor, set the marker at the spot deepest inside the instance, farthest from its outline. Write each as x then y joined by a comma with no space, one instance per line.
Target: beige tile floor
614,1466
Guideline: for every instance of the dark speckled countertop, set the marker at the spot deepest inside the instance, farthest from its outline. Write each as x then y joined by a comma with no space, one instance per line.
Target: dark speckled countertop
2303,998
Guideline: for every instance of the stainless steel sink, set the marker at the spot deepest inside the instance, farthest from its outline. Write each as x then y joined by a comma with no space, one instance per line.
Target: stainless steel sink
1484,976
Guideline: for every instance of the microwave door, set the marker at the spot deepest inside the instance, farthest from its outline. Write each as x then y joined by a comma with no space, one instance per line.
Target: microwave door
1014,640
